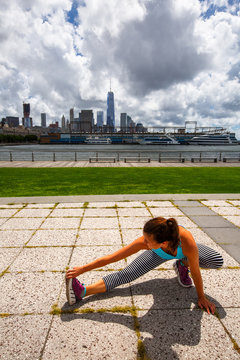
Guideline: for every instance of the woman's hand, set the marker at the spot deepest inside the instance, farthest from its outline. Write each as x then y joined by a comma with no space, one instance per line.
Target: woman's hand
204,303
72,273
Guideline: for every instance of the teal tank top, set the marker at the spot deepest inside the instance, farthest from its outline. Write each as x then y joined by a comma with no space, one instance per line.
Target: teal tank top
167,256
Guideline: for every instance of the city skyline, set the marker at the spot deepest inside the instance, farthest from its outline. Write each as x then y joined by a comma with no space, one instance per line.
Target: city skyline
168,61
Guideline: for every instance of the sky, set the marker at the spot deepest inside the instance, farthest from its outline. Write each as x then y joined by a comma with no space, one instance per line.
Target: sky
168,61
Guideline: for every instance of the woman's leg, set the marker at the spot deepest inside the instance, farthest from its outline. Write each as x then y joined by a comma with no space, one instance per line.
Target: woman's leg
208,258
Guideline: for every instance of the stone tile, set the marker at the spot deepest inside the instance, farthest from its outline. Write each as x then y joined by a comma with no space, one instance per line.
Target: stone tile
129,235
84,255
70,205
235,202
100,212
226,210
40,206
166,212
67,213
5,213
60,223
24,224
186,334
133,212
230,318
7,256
38,259
101,204
24,213
215,203
29,292
15,238
53,238
198,210
133,222
213,221
120,296
2,221
23,337
130,204
99,237
93,343
187,203
233,219
12,206
186,222
161,204
99,223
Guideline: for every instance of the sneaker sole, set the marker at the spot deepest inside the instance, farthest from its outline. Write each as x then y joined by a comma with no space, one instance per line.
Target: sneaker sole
69,292
178,277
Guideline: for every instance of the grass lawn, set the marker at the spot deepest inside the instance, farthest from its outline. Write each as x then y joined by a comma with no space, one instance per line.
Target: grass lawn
95,181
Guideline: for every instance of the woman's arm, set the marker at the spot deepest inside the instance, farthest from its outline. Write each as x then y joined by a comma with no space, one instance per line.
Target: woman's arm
120,254
190,250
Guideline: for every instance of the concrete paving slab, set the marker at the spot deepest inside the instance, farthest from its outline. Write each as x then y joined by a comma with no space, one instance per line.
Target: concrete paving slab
187,203
120,296
102,204
186,222
233,219
185,334
29,292
162,204
196,211
61,223
133,212
38,259
23,337
235,202
53,238
130,204
22,224
231,321
213,203
29,213
226,210
70,205
211,221
41,205
99,237
84,255
166,212
133,222
13,206
6,213
99,223
15,238
7,256
100,212
129,235
67,213
91,343
2,221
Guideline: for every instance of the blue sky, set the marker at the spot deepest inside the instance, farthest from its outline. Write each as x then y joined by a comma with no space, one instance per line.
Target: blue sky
169,61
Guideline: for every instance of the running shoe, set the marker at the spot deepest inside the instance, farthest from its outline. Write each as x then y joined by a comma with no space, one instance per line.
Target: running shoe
74,290
182,274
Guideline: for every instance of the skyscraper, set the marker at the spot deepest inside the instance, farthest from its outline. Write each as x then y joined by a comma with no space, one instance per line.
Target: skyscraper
43,120
26,120
99,119
110,110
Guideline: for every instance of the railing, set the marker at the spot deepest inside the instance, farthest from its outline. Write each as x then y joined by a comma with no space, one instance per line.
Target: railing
120,155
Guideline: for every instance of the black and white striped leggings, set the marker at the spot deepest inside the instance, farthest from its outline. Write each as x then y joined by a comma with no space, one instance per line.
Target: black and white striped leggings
148,260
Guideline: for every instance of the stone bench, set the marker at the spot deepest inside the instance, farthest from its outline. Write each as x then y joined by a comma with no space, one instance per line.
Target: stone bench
204,159
102,159
171,159
231,159
137,159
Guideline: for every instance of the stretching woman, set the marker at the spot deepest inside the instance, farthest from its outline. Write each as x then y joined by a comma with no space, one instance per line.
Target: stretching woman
163,240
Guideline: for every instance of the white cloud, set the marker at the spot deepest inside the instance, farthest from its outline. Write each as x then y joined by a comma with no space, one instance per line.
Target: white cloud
167,63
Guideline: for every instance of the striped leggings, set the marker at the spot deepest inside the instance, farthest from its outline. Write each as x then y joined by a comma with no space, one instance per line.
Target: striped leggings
148,260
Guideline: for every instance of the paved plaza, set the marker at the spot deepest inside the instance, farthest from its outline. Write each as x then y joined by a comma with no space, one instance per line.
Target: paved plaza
151,318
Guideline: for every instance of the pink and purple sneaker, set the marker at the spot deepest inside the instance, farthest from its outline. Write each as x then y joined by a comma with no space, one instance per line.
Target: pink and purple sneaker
182,274
74,290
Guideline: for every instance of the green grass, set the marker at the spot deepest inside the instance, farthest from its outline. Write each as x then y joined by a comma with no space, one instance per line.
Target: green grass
92,181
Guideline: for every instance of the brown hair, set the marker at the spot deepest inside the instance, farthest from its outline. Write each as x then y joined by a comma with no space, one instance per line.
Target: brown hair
163,230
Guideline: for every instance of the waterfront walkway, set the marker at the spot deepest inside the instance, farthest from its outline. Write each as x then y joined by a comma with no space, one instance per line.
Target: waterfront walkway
40,164
151,318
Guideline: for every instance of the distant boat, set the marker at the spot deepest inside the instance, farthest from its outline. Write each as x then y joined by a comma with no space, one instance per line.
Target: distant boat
96,140
214,139
158,140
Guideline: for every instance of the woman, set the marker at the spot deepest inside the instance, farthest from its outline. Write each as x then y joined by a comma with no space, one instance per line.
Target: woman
163,240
